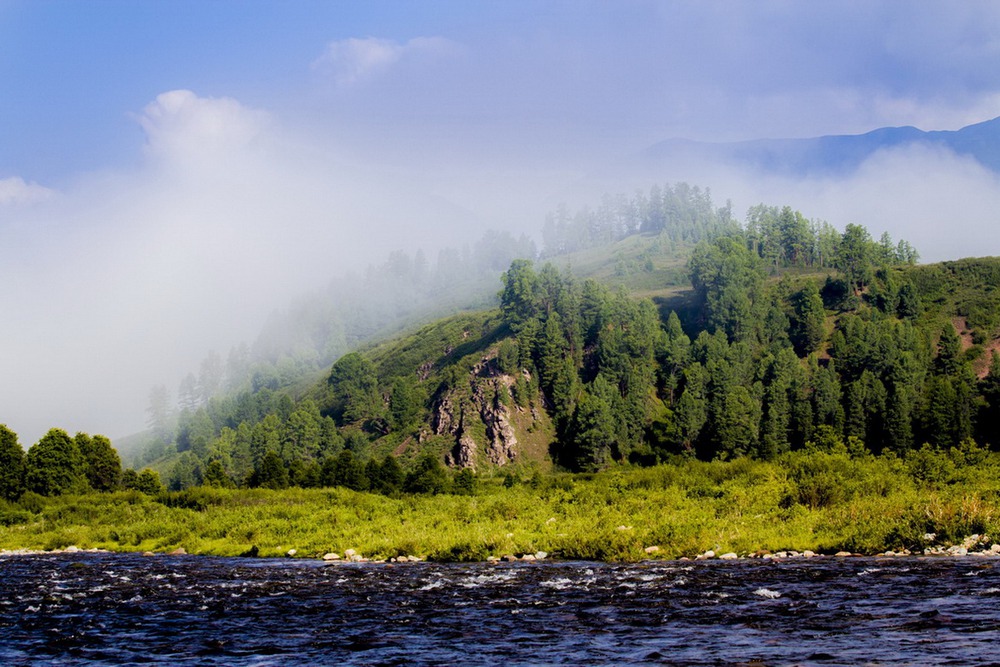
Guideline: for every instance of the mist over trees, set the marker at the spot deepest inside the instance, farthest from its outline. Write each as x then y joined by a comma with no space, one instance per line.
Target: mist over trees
793,335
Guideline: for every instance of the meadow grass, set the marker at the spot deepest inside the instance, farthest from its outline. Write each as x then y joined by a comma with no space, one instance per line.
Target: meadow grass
825,502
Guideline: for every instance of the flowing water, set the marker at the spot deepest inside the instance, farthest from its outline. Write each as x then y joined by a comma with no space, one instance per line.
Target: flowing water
185,610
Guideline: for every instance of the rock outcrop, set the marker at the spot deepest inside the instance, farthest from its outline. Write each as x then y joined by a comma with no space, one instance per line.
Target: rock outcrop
485,400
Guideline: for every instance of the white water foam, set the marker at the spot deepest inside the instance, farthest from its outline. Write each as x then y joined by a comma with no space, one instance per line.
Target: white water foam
767,593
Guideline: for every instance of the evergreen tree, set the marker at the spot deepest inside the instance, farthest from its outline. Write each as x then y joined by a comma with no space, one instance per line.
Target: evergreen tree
737,423
808,326
11,465
989,416
271,472
388,478
215,475
728,281
354,384
593,430
427,476
185,473
855,256
518,296
345,470
692,407
949,357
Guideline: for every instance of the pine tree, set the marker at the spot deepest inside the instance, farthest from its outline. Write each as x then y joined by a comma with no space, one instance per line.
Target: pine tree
808,327
593,431
271,472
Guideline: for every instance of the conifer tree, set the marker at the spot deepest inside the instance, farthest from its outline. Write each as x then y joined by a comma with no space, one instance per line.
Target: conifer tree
808,326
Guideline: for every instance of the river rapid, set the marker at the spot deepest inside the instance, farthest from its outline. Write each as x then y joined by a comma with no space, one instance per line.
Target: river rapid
186,610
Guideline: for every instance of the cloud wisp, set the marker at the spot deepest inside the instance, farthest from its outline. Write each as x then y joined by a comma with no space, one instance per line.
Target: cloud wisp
356,60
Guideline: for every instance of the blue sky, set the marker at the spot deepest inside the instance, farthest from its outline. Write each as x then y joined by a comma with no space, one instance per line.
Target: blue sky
172,171
607,75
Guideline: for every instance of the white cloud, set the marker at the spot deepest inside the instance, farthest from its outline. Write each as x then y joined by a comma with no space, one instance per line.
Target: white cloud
354,60
127,279
180,125
16,191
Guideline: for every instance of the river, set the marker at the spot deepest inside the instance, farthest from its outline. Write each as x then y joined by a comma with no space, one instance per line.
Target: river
186,610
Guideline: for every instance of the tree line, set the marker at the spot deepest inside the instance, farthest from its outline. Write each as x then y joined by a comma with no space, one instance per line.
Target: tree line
59,463
757,366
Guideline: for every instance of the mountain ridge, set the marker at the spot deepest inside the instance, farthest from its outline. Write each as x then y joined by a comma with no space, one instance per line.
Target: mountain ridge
832,154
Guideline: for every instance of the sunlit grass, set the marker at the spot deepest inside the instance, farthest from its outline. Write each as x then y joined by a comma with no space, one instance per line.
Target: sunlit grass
869,505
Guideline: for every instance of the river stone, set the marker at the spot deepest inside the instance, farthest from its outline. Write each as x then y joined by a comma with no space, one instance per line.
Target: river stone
652,550
808,554
958,551
350,553
541,555
528,557
842,554
291,553
72,549
995,548
728,556
331,556
509,558
179,551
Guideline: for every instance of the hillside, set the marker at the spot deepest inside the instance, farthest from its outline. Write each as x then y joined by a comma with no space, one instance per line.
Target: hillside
757,340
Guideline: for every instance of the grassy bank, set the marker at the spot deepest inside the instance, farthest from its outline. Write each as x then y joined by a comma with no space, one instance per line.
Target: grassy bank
823,501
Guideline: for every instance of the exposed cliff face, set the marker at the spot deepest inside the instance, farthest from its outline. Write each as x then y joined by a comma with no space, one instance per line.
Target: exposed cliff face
479,406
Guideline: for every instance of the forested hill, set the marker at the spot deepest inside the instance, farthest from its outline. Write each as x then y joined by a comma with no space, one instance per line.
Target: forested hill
791,334
693,336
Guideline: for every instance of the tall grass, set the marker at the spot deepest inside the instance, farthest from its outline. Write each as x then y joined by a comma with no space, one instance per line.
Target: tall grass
822,501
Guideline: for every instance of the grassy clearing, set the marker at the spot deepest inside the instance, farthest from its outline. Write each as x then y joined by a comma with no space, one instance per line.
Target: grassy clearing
821,501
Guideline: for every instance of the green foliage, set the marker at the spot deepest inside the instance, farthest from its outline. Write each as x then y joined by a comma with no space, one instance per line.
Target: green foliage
427,476
103,466
54,465
808,329
727,277
354,384
148,482
271,472
822,498
11,465
464,483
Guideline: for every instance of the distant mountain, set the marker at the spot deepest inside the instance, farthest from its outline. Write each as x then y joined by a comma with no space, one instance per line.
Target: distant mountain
834,154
